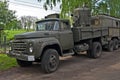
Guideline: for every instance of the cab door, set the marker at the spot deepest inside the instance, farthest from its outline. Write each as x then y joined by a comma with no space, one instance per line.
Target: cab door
66,35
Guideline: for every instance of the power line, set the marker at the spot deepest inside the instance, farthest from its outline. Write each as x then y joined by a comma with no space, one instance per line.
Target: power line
26,5
26,2
20,8
29,5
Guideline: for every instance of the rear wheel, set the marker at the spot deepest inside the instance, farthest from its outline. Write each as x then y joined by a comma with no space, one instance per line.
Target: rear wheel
95,51
24,63
116,44
50,61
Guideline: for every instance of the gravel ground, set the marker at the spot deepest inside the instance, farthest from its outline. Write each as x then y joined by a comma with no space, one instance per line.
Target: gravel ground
72,68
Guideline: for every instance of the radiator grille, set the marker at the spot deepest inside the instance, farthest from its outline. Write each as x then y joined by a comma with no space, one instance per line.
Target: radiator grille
19,47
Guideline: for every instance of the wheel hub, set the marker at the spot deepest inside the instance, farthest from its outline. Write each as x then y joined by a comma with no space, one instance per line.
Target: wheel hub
52,62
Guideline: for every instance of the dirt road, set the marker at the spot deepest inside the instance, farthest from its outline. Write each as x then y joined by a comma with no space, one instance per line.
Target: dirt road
72,68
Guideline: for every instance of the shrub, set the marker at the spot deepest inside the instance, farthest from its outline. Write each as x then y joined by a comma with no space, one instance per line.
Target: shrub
6,62
10,33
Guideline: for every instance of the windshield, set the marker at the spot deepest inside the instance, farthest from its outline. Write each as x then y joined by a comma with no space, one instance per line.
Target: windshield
48,26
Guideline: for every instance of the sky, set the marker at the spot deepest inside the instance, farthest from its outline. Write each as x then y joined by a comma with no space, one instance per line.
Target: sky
31,8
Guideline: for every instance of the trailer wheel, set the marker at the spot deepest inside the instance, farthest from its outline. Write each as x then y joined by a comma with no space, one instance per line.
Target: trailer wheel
24,63
111,46
50,61
116,44
96,50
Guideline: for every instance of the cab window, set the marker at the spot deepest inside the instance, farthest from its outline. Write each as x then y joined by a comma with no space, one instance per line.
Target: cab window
56,26
65,26
48,26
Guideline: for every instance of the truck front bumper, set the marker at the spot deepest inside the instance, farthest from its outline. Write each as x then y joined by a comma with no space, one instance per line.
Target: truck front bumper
21,56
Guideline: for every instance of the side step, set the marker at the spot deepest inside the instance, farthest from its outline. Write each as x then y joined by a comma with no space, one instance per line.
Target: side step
68,54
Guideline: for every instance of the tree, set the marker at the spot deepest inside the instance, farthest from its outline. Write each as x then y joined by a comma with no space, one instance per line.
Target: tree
50,3
68,6
113,7
6,16
14,25
110,7
28,22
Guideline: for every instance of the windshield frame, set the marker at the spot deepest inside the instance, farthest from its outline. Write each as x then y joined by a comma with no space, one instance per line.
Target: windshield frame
49,20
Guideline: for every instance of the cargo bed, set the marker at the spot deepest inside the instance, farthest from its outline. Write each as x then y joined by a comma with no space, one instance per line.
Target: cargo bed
83,33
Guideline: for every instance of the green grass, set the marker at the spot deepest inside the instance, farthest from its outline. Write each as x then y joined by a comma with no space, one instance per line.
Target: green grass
6,62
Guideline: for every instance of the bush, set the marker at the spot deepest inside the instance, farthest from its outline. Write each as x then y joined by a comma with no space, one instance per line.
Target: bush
6,62
11,33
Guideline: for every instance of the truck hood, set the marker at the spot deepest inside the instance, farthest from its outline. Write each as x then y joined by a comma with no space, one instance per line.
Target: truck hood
37,34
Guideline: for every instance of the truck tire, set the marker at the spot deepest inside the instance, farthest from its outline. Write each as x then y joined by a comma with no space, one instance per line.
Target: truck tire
24,63
116,44
95,51
50,61
110,46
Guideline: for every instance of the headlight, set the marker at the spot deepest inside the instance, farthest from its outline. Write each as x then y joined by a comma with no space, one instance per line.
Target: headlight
30,47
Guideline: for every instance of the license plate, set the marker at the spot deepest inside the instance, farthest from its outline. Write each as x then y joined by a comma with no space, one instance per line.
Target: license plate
31,58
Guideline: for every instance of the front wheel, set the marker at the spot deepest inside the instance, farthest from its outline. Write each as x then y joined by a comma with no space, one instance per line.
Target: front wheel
50,61
24,63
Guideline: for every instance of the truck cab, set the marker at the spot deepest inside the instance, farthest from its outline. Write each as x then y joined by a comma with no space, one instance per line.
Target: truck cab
59,29
52,38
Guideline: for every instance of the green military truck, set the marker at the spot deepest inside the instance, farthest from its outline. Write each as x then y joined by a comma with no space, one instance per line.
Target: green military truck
54,37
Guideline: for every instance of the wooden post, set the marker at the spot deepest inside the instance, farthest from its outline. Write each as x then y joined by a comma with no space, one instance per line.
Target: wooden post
5,44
